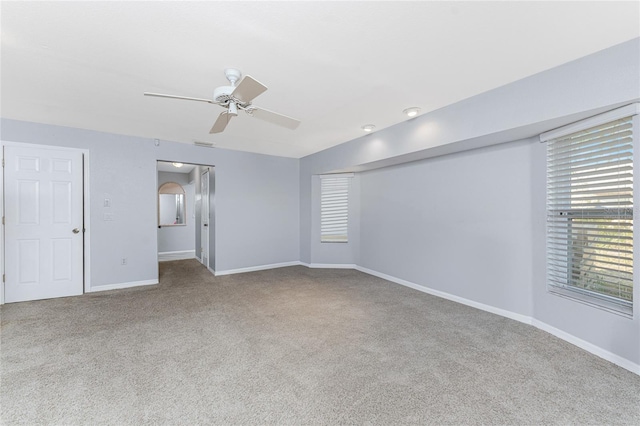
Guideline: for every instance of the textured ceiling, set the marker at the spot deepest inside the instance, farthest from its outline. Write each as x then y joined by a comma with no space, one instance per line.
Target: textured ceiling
334,65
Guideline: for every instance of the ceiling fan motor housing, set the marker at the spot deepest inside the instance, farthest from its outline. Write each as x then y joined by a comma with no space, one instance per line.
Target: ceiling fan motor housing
222,94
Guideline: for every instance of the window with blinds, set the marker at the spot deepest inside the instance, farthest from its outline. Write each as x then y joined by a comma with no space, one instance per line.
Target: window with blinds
334,209
590,214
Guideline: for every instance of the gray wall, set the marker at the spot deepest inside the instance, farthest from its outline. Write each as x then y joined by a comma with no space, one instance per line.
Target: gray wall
472,223
460,224
263,208
179,238
256,200
522,109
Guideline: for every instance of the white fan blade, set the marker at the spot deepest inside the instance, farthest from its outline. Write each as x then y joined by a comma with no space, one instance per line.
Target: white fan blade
186,98
248,89
221,122
274,117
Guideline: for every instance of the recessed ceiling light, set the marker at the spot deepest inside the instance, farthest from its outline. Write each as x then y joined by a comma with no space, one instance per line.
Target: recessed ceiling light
412,112
368,127
177,165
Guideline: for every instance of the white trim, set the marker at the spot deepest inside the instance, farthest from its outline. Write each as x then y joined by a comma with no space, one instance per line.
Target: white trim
589,347
636,226
594,302
257,268
2,226
118,286
488,308
87,221
176,255
622,112
211,270
202,231
331,265
582,344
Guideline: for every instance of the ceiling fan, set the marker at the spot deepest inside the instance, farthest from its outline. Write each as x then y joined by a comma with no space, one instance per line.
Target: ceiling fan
238,97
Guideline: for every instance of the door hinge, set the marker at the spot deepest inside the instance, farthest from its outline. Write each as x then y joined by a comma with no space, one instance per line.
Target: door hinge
2,277
3,220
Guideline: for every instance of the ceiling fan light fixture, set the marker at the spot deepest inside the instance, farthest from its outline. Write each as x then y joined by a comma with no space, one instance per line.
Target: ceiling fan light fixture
412,112
178,165
368,127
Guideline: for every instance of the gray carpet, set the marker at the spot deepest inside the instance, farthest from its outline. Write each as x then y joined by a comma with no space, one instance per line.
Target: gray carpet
293,346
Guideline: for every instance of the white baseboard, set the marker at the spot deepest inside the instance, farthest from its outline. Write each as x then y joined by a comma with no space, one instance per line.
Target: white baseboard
331,265
176,255
257,268
118,286
583,344
488,308
589,347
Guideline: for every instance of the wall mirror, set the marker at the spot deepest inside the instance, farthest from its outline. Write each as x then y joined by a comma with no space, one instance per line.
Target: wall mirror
171,205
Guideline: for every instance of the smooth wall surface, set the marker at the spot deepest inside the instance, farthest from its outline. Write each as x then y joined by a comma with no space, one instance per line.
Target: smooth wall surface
460,224
262,206
256,200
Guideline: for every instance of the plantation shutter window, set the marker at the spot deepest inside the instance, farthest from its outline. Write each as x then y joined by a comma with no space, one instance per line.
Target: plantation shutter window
334,208
590,214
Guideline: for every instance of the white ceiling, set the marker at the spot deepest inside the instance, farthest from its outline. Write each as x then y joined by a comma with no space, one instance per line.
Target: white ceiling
334,65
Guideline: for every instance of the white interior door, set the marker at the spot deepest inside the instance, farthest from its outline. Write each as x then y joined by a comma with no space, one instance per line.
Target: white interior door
204,227
43,223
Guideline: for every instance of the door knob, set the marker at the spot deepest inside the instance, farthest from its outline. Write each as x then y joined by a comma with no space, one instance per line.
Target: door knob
76,230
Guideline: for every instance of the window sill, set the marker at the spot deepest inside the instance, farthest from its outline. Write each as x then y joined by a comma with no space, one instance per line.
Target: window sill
624,311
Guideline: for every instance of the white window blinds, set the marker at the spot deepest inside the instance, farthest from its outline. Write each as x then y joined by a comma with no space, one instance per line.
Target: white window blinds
590,214
334,209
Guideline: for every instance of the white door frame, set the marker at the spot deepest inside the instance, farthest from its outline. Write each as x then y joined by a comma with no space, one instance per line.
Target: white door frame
85,203
206,172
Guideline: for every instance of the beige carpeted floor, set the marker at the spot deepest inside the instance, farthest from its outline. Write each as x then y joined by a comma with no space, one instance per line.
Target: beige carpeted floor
293,346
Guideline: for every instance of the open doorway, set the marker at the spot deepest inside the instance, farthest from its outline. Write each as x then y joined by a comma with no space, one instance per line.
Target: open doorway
186,212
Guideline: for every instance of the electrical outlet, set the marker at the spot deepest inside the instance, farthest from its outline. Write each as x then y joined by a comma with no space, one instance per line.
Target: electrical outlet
124,261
